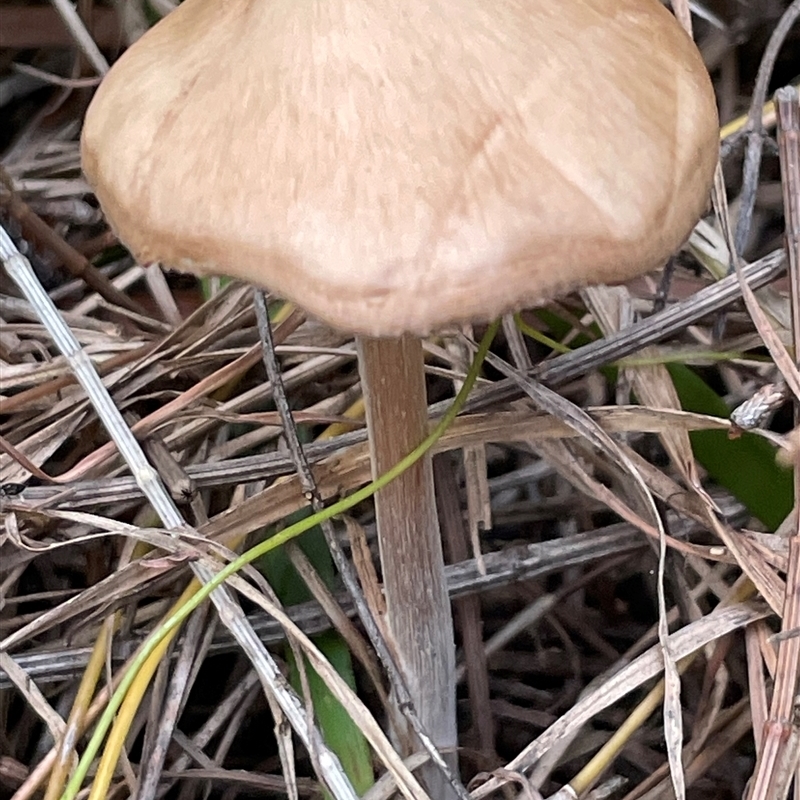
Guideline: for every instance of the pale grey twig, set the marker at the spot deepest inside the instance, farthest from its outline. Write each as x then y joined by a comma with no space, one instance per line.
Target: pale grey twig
700,10
55,80
82,37
146,477
149,482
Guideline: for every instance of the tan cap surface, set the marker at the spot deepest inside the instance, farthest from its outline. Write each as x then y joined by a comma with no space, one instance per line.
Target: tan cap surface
395,166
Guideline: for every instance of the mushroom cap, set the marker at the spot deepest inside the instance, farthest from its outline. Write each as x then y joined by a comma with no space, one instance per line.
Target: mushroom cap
397,166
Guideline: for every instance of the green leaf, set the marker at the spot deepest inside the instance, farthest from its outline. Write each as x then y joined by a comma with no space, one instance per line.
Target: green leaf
745,466
340,732
342,735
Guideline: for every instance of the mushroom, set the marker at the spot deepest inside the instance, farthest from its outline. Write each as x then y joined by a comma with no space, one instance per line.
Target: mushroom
394,167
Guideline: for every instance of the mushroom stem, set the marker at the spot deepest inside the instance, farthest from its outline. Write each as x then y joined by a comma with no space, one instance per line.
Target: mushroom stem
418,607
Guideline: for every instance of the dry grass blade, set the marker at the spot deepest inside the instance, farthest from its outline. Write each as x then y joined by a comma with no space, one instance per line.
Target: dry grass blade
682,644
780,748
585,426
464,578
653,387
82,37
656,327
33,696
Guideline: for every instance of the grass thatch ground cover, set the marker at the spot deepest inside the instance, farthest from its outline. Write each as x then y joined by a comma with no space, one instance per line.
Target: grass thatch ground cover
554,553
